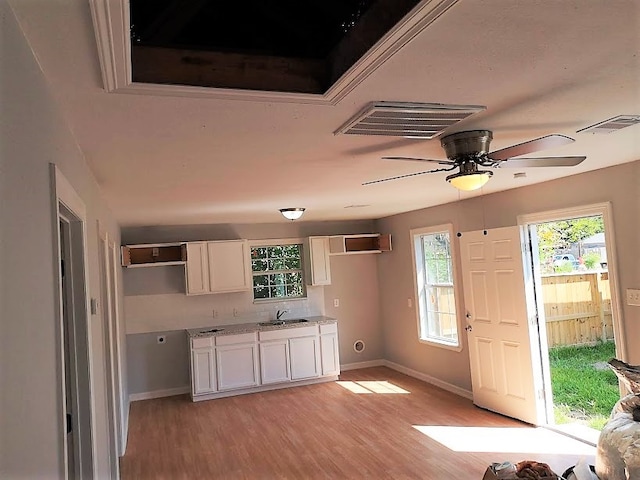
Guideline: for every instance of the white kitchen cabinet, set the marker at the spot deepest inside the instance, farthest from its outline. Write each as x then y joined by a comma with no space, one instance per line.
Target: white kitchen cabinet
317,261
229,266
218,267
237,361
203,366
197,268
274,361
304,357
329,351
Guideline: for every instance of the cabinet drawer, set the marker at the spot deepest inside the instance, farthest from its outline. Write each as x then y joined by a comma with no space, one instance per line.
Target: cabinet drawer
202,342
302,331
329,328
233,339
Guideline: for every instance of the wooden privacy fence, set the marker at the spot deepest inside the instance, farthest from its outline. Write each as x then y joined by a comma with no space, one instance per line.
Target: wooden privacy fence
577,308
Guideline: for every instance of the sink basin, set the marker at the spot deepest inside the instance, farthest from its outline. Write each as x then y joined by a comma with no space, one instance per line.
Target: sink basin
283,322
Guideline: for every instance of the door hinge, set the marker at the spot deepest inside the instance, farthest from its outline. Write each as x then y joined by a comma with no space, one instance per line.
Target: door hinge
541,394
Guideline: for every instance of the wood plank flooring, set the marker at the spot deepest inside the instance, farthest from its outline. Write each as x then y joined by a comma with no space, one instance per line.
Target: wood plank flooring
333,431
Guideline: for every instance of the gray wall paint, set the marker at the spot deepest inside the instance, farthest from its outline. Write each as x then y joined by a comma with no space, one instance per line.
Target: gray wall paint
154,366
354,282
619,185
33,134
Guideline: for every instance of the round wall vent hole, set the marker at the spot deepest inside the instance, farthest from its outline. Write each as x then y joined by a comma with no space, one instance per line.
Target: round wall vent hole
358,346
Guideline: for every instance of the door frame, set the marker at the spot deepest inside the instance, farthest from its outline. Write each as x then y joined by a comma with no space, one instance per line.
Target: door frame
68,207
110,349
605,210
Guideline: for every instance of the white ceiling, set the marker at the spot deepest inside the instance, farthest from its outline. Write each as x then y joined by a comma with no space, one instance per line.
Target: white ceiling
540,67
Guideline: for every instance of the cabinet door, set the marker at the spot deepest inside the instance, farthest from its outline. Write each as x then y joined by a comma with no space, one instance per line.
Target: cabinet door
237,366
197,268
319,261
229,266
329,354
203,370
305,357
274,361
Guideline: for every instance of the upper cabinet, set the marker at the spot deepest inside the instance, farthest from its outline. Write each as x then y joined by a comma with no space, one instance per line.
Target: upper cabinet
153,255
361,243
317,261
218,267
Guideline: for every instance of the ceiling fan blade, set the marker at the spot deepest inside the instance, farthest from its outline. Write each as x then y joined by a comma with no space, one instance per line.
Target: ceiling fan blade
409,175
541,162
416,159
542,143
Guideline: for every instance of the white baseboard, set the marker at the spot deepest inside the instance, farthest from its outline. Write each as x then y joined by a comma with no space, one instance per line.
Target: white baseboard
429,379
355,366
169,392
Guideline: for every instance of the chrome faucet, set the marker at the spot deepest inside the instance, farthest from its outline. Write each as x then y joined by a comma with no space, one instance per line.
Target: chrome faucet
280,313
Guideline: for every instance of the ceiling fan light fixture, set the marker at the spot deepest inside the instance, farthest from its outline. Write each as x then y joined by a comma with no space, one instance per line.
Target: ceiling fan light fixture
292,213
469,181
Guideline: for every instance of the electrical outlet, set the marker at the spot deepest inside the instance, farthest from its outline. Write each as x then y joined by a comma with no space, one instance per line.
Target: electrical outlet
215,313
161,339
336,302
633,297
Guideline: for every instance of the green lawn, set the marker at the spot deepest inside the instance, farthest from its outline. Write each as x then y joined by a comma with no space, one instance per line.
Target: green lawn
583,391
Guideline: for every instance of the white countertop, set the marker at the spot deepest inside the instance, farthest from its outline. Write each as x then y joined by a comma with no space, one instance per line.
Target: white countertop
254,327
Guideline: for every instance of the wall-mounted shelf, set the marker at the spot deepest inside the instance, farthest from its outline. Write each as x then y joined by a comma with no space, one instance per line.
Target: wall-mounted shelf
360,243
153,255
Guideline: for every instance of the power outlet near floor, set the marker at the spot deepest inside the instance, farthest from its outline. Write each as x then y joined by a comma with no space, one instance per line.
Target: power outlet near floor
633,297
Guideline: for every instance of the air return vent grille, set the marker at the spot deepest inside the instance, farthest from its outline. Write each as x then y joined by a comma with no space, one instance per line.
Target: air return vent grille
612,125
409,120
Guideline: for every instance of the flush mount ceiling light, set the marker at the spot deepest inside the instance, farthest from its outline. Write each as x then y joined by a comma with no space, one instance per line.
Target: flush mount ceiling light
292,213
469,177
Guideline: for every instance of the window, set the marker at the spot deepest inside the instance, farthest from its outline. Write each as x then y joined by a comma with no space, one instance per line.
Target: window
277,272
435,285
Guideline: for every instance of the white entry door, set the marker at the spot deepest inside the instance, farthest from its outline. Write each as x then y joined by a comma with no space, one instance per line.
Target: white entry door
501,331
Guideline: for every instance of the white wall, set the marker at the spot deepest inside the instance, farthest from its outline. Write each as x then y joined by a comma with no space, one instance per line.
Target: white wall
619,185
34,134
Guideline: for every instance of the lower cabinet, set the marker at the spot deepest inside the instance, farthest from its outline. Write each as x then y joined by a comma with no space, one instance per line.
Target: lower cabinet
237,366
329,354
304,354
244,362
203,371
274,361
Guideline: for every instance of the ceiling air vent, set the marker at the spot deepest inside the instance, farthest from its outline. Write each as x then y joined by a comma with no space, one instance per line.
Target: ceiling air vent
408,120
612,125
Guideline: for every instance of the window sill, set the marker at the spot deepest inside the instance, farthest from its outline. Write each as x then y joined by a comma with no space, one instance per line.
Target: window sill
278,300
446,346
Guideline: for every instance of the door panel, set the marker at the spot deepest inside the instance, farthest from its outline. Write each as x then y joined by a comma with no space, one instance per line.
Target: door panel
499,337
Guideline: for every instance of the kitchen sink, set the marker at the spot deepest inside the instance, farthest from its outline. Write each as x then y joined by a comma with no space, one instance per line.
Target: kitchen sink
283,322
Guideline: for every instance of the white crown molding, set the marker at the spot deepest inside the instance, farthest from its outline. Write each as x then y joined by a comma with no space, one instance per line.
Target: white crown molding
111,24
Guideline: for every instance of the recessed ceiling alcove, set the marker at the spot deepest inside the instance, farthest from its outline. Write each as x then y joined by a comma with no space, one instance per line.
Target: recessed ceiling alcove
282,46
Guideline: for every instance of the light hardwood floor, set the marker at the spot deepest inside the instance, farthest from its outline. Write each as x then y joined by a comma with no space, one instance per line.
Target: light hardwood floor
333,431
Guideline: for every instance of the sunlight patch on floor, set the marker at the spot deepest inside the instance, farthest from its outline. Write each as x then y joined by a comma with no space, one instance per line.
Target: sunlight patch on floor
505,440
371,386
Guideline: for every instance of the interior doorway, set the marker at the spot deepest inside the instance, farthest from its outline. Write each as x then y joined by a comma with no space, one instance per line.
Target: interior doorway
577,319
74,335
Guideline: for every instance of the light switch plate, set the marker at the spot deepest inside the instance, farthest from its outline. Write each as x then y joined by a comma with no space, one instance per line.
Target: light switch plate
633,297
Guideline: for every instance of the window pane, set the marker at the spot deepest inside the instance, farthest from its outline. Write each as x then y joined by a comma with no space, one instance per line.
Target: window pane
277,271
438,320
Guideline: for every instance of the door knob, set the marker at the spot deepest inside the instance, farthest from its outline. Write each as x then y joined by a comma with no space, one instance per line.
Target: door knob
468,328
468,315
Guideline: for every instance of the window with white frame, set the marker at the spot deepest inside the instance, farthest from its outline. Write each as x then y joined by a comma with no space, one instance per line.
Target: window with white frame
435,285
277,272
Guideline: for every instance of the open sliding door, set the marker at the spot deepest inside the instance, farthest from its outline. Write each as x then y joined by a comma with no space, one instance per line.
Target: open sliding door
502,330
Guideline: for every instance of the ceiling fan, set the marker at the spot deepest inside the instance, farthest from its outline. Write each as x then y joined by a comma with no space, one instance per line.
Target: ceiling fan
469,150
